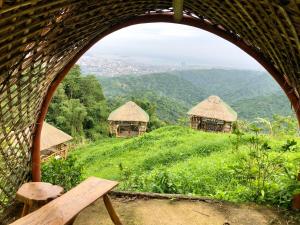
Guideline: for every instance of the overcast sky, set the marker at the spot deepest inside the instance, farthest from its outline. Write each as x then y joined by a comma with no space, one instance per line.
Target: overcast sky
174,44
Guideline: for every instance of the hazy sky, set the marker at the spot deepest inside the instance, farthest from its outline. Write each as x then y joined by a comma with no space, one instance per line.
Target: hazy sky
174,44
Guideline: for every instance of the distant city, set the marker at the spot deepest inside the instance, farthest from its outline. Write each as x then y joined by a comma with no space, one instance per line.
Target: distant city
114,65
111,66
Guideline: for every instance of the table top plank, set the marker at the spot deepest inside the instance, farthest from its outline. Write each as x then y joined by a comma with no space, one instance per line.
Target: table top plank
66,207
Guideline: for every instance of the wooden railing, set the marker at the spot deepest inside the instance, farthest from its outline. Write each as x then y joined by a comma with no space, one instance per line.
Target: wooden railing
60,153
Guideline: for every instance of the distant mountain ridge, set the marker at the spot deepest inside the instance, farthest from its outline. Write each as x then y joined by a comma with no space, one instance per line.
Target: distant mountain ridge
251,93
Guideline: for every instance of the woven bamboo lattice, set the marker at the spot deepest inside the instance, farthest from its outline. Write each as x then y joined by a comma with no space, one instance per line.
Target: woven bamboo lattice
39,38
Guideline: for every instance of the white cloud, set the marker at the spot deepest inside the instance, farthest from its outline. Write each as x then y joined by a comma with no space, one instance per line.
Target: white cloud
174,42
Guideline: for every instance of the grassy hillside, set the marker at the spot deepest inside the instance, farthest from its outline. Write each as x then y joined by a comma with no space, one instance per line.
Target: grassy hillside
162,147
252,94
177,159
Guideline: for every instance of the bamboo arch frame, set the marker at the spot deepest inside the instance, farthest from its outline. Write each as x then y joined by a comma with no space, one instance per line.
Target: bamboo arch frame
151,18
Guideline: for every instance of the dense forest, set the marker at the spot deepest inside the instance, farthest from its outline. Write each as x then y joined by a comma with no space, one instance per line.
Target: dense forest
79,106
252,94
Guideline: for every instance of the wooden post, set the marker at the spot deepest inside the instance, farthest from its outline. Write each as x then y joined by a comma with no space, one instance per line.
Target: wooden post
113,215
296,198
25,210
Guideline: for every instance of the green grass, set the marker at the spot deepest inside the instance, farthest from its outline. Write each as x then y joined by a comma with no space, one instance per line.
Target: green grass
176,159
164,147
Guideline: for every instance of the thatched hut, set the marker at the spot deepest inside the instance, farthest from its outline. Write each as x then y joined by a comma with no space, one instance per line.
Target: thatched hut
212,114
128,120
53,142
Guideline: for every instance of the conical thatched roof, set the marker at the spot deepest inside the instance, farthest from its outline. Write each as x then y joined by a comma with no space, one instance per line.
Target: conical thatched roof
51,136
130,111
213,107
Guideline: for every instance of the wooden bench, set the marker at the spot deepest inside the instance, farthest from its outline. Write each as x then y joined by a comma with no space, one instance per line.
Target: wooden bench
65,208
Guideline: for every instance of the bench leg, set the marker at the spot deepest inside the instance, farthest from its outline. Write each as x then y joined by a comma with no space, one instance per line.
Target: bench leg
25,210
113,215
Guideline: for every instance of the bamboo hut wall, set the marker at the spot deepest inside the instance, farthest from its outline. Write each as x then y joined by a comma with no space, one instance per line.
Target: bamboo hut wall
125,128
208,124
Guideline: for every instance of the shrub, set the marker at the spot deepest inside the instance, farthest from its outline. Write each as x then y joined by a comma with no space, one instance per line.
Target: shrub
265,175
290,145
63,172
163,182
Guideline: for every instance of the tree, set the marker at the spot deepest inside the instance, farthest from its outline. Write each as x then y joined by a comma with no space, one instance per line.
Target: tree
150,108
265,124
71,83
285,125
79,106
90,90
72,116
54,108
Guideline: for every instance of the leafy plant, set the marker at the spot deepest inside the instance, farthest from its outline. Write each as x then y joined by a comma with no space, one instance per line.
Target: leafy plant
262,172
290,145
64,172
236,142
163,182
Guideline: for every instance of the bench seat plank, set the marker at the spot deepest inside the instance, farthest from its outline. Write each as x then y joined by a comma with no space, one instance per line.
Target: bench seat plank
63,209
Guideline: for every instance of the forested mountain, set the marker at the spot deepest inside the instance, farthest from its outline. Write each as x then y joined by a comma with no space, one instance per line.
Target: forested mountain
161,84
251,93
231,85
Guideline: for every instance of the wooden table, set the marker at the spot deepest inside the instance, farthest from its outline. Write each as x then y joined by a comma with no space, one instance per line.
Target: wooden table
36,194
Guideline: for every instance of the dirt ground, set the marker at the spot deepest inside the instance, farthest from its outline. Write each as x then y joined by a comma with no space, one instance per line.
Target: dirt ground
179,212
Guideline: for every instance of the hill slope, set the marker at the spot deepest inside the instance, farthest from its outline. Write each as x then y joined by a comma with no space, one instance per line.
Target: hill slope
251,93
232,85
161,84
176,159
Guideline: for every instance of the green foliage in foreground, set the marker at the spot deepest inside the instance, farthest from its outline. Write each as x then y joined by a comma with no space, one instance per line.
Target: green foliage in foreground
63,172
176,159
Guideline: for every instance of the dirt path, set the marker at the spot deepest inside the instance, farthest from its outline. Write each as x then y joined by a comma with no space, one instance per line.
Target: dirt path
183,212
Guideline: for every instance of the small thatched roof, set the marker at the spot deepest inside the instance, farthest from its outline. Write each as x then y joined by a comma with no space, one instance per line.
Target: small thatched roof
130,111
51,136
213,107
